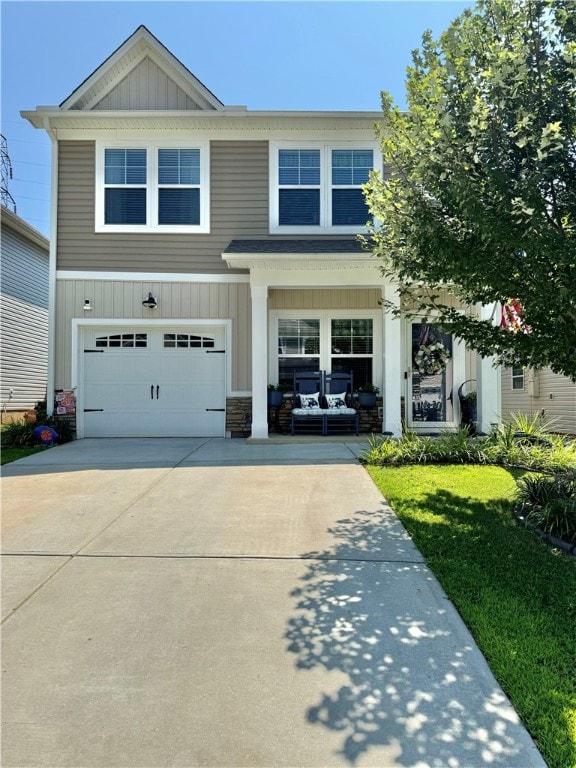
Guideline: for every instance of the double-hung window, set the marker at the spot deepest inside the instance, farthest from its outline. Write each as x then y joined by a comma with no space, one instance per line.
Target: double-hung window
152,188
318,188
321,341
518,377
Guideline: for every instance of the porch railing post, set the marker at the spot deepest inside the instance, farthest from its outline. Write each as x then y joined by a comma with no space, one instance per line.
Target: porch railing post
392,380
259,295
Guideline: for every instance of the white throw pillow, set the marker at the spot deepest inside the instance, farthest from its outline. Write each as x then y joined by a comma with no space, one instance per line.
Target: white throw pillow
310,401
336,401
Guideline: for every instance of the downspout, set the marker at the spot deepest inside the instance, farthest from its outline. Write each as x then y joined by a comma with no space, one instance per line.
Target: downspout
51,367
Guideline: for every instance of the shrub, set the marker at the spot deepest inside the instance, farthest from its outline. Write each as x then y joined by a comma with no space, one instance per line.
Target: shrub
20,433
549,504
506,446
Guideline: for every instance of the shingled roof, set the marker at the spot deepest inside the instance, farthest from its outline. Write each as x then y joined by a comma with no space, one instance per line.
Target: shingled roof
314,245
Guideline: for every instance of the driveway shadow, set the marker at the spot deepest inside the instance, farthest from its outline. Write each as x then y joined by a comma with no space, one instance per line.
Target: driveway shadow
417,682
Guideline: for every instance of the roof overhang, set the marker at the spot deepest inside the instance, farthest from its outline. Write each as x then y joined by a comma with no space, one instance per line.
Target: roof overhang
229,118
291,261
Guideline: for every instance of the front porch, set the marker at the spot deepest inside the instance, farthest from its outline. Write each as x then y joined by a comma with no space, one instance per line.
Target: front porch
320,305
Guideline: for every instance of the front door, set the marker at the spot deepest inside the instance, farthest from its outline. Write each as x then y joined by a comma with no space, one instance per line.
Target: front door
430,378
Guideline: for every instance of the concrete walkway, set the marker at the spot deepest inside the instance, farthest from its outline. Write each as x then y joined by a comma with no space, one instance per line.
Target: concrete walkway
218,603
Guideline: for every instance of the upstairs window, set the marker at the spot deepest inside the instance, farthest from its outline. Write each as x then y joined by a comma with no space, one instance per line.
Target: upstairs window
318,189
299,189
350,170
152,188
125,186
179,186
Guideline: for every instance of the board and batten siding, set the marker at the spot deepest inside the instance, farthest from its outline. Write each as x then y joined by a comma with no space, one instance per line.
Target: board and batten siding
324,298
120,299
239,208
147,87
24,317
556,397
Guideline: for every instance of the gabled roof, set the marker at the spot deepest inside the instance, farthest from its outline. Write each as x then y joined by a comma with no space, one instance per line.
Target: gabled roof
140,50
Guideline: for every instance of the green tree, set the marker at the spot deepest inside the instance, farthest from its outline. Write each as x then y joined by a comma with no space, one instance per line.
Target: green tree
481,198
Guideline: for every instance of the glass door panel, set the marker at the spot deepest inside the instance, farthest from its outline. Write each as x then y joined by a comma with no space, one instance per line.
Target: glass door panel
431,378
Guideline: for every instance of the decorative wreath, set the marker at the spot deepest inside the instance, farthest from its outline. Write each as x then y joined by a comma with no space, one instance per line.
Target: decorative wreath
431,359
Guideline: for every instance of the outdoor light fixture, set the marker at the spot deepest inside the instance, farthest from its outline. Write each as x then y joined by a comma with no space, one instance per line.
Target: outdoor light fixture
150,302
87,305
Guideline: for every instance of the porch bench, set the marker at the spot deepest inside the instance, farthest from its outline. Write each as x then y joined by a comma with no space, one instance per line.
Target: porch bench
322,404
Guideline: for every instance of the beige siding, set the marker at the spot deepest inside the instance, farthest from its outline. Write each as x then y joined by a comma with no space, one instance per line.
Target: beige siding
353,298
123,300
239,208
147,87
555,395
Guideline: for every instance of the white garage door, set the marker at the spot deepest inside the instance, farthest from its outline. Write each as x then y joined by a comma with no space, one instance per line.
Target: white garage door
154,382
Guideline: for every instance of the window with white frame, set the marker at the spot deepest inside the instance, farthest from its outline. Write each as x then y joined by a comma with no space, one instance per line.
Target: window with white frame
318,188
518,378
152,187
313,343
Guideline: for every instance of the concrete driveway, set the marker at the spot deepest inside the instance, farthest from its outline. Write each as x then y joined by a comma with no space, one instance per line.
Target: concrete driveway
216,603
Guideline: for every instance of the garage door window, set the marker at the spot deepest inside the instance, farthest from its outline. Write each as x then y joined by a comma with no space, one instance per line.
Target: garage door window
187,341
124,340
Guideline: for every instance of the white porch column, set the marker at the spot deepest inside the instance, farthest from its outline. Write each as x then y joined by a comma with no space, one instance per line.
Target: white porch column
392,363
259,295
488,384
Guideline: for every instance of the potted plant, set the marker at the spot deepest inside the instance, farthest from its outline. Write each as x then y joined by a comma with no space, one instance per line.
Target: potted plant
367,395
275,396
468,410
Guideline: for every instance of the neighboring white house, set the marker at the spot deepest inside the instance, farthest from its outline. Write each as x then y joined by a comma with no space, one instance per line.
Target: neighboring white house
24,314
527,391
241,226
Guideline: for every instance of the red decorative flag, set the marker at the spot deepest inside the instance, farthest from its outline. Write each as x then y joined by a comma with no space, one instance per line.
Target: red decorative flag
512,317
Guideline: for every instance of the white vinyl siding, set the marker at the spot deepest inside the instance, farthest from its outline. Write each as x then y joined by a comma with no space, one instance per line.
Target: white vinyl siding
24,321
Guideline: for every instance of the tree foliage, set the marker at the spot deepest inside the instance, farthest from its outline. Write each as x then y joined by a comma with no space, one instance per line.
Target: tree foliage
481,197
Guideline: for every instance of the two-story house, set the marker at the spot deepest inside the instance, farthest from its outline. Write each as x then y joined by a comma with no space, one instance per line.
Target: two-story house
200,252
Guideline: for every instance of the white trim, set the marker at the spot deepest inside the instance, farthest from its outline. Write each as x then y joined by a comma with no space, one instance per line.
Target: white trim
52,277
152,186
72,124
392,381
79,324
259,316
151,277
325,147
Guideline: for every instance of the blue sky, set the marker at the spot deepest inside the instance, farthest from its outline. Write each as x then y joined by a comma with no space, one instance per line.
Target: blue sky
265,55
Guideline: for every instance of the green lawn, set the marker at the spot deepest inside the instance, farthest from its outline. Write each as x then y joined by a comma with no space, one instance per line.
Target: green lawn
11,454
517,596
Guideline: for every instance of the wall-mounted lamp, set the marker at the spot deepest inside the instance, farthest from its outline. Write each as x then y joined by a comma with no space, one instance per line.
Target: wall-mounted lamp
87,305
150,302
